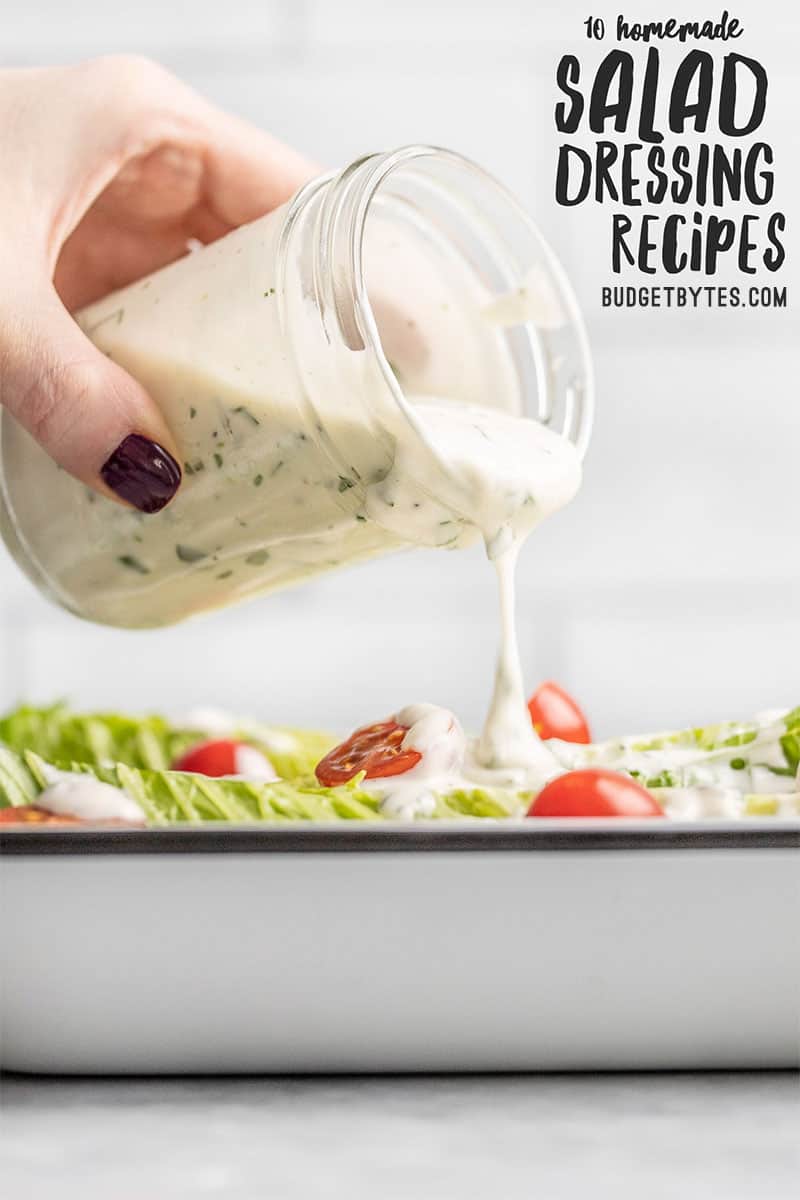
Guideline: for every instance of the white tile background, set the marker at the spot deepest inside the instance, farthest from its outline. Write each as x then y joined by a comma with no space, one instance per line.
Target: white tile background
670,591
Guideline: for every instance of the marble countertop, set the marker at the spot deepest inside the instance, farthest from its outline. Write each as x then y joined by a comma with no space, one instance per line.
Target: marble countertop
732,1136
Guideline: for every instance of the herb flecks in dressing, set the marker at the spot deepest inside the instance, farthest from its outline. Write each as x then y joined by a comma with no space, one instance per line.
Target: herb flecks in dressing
285,478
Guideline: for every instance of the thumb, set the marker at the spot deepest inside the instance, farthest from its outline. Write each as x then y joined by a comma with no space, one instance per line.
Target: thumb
89,415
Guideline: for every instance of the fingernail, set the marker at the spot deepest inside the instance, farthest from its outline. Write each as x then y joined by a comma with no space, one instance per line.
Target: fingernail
143,473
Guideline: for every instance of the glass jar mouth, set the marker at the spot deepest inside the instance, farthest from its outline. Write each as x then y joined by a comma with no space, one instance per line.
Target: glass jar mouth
480,207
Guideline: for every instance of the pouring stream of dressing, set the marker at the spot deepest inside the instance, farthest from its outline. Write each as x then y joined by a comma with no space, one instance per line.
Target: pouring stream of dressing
507,474
508,743
503,475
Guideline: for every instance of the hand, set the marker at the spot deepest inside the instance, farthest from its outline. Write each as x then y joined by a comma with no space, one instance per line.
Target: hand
108,169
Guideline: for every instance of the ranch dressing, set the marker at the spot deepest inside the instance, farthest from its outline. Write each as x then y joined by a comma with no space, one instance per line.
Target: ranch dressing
506,741
274,490
506,474
73,794
344,378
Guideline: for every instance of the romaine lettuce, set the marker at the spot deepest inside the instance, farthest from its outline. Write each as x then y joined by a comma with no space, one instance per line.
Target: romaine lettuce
759,759
170,797
150,743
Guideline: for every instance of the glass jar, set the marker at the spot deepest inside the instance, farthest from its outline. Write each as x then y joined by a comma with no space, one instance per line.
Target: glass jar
286,358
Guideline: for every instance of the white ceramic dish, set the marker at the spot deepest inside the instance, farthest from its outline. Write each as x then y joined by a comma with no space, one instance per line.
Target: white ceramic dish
545,945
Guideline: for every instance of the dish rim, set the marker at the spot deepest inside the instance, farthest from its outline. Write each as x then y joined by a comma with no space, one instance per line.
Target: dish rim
543,836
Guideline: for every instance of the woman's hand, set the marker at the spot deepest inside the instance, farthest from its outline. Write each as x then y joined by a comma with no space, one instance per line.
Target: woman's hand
108,169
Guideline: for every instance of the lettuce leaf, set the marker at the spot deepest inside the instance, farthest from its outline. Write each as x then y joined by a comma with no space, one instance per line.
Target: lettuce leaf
135,754
18,785
759,756
759,759
149,743
172,797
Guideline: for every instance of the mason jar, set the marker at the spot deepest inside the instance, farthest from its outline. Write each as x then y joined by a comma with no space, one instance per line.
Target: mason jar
288,358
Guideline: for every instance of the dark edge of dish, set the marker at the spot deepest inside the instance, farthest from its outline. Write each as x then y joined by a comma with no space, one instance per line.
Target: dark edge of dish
348,840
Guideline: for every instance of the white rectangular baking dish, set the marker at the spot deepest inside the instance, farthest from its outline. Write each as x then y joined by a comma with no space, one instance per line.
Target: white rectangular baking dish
544,945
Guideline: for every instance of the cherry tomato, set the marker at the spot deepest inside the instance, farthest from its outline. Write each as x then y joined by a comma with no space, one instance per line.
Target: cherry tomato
594,792
376,749
223,757
214,758
556,715
28,814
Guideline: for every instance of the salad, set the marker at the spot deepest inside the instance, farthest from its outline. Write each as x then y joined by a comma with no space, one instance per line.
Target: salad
58,766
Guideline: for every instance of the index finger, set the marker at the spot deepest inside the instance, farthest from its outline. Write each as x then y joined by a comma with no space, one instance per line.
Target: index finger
249,172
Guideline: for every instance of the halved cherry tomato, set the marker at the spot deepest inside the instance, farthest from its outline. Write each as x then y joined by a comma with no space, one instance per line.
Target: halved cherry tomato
226,757
594,792
215,759
29,814
376,749
556,715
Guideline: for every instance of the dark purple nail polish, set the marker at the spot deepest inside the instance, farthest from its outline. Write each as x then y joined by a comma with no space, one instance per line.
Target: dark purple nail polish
143,473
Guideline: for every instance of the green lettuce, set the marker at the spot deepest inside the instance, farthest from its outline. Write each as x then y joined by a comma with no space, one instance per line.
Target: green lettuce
759,756
135,754
18,784
149,743
173,797
759,759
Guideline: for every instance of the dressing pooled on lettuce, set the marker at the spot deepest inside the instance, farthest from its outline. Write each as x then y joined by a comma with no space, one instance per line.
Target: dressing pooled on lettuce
57,766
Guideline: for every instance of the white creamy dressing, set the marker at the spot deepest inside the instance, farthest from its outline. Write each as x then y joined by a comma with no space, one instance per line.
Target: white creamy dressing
691,766
218,723
726,803
285,478
697,803
450,762
709,790
504,475
506,753
534,300
210,721
251,764
73,794
292,448
437,735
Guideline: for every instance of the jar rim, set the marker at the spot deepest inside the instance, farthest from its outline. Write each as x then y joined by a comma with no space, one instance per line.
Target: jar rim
353,190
